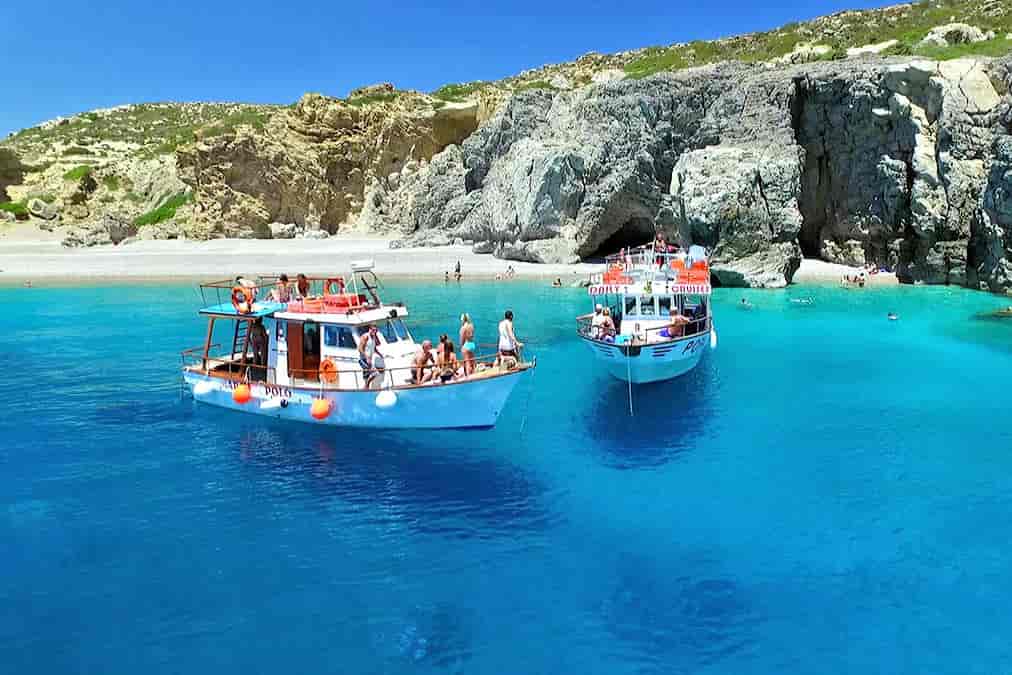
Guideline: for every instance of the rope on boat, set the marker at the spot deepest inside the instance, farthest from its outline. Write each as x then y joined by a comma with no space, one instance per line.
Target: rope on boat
628,377
527,401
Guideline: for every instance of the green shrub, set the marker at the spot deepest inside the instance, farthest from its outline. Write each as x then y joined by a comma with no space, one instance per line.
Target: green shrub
536,84
77,150
996,47
458,92
111,182
164,212
78,172
656,60
17,208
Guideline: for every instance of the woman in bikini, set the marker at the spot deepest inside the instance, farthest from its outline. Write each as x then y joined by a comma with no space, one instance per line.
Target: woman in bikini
467,345
446,363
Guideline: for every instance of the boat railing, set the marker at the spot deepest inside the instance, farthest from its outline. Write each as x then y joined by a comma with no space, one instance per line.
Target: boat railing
335,378
693,328
266,286
675,265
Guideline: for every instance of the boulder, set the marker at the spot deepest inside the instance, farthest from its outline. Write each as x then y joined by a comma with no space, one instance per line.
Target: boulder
42,209
107,230
607,75
483,247
283,230
952,34
314,234
804,53
870,50
7,217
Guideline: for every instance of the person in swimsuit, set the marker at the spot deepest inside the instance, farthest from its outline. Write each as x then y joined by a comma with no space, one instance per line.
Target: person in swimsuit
302,287
608,330
508,343
447,364
676,328
467,345
369,356
422,370
282,292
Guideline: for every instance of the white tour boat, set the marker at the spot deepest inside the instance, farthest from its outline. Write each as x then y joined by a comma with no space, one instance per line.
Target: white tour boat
659,317
311,370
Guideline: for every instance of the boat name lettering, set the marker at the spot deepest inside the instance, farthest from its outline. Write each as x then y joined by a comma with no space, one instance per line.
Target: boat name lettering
275,390
604,289
692,346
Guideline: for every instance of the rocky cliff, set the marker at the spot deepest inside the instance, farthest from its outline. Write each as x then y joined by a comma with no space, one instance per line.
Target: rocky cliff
875,136
899,162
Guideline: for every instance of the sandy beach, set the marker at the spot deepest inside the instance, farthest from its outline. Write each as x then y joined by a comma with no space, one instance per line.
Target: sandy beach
25,256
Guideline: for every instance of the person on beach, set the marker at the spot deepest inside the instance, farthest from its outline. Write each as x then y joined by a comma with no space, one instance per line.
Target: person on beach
302,287
467,346
446,363
424,360
456,272
369,356
509,346
446,277
557,283
510,272
282,291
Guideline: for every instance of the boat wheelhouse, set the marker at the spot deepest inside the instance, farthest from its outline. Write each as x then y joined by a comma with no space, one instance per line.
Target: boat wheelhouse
300,359
659,316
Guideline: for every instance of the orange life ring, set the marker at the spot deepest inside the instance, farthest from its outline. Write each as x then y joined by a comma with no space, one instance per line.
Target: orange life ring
242,299
329,286
328,371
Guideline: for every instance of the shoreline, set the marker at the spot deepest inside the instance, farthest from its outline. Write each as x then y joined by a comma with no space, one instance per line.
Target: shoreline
49,263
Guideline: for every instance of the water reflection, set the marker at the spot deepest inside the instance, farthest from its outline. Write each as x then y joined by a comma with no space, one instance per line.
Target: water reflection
668,418
438,637
434,483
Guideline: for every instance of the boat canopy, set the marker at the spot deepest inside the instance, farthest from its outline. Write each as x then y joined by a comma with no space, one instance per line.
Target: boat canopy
258,311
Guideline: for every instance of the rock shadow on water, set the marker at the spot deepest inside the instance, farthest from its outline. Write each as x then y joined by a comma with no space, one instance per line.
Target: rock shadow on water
669,418
686,622
432,487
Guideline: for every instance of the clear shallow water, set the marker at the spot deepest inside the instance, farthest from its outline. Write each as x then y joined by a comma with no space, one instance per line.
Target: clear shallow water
828,492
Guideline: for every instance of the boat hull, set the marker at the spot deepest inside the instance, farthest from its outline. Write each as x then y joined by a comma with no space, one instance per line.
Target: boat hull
475,403
652,362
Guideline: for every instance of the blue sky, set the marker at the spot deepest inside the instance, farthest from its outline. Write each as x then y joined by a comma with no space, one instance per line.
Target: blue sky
65,57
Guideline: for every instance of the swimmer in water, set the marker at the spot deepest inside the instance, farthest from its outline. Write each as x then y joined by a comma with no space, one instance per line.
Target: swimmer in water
892,316
803,301
745,304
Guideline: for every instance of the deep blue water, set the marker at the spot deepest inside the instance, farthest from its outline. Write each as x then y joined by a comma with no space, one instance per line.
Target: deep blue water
829,492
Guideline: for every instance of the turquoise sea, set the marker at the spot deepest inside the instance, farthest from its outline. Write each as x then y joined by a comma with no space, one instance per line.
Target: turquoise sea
829,492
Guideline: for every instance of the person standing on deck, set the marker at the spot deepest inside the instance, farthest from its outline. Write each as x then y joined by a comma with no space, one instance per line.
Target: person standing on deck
302,288
467,345
369,356
258,340
509,346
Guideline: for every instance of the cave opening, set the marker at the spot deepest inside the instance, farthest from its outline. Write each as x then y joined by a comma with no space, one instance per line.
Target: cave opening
636,231
816,178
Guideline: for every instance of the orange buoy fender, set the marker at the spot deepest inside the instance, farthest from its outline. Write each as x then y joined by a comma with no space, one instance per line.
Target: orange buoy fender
242,394
242,299
328,371
320,409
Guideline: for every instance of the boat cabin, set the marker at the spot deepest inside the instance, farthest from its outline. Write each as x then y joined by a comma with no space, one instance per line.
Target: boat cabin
310,338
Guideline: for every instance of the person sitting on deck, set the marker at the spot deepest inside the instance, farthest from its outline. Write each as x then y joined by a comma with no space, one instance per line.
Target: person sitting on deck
369,356
302,288
421,370
676,328
281,292
447,363
608,329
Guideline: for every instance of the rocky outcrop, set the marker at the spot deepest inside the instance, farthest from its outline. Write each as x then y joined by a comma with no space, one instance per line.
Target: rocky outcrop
954,34
12,172
313,164
854,162
109,229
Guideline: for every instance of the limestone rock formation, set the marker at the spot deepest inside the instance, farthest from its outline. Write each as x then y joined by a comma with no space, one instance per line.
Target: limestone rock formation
314,162
109,229
953,34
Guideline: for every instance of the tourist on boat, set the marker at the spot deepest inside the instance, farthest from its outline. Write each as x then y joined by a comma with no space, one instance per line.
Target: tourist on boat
596,322
467,346
302,288
447,363
258,340
607,330
369,356
509,346
676,328
660,247
282,291
424,360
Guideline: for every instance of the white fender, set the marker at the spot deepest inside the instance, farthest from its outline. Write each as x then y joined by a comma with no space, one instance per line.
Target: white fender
713,337
386,399
271,404
203,387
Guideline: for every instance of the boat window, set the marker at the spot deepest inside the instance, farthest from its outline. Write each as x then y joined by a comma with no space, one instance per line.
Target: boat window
664,305
401,329
647,306
338,336
694,306
630,306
